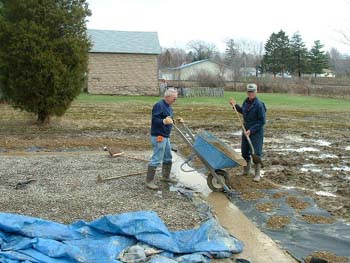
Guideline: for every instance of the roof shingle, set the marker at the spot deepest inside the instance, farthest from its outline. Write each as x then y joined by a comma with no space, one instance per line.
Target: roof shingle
132,42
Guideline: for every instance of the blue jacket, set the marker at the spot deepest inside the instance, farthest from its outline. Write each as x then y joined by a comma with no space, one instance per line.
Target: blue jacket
159,112
254,115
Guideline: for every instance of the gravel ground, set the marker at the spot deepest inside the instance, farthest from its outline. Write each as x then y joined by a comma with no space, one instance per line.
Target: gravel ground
63,187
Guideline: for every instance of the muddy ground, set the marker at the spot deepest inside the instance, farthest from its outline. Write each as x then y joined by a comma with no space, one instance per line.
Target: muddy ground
303,149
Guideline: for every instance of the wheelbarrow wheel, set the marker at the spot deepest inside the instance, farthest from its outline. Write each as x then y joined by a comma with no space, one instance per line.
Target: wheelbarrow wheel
215,184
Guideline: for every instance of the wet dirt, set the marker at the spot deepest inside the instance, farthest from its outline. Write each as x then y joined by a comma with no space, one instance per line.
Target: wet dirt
252,195
265,207
296,203
277,222
279,195
315,163
316,219
327,256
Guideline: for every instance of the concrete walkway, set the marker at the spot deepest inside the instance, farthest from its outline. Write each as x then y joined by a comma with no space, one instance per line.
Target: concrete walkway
258,247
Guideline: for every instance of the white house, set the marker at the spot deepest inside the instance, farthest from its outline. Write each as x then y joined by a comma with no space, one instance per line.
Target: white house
326,73
191,70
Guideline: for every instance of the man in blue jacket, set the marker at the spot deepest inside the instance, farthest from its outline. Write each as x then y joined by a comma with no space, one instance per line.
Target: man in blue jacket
162,120
254,116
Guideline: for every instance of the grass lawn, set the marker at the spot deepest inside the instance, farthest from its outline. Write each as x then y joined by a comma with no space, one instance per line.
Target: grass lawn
272,101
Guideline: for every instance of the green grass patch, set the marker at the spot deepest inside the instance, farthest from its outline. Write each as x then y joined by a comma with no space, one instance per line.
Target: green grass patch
272,101
114,99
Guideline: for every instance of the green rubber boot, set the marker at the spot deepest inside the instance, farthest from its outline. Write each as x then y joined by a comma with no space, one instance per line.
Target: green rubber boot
151,171
257,172
166,169
246,169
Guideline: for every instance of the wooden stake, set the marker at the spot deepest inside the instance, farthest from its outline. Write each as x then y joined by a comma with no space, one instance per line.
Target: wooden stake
101,180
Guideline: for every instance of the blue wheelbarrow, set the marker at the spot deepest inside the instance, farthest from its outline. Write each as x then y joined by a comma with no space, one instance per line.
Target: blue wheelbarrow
213,153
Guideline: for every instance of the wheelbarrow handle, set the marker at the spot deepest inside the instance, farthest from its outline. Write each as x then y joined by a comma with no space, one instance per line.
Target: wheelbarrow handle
188,131
183,136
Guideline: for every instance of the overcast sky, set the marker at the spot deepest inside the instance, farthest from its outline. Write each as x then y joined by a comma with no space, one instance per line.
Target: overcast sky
179,21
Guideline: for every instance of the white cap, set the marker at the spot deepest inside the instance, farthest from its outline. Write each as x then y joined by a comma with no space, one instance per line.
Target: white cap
252,87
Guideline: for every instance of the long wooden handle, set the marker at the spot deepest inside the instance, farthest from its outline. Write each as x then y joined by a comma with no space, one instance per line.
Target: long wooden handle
244,130
100,179
234,106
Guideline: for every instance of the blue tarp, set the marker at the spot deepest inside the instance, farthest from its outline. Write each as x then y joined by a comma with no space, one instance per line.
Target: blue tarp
29,239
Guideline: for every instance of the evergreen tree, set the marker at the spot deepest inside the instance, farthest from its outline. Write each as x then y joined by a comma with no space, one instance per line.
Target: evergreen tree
43,54
298,55
277,54
318,59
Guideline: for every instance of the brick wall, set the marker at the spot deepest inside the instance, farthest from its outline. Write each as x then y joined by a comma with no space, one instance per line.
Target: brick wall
123,74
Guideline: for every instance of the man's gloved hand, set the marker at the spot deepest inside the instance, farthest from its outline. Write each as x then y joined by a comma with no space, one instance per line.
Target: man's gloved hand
168,120
180,120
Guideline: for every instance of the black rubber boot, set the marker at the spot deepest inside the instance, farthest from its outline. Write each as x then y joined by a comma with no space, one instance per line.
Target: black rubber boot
166,169
151,171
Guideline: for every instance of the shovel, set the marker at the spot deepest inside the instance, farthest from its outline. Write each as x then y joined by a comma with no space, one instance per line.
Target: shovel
255,157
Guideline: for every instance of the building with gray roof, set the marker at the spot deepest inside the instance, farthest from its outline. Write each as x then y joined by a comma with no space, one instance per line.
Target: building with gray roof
123,62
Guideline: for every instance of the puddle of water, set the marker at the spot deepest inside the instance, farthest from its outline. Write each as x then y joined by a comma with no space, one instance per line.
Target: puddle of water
320,193
310,168
193,180
342,168
294,138
347,148
322,142
271,140
326,156
293,187
327,175
277,168
324,193
307,149
237,133
301,149
286,139
315,170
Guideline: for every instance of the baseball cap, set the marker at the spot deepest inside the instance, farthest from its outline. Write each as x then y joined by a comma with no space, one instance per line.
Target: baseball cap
252,87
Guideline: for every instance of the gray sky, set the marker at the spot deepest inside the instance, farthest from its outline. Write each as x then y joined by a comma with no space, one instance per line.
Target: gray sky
179,21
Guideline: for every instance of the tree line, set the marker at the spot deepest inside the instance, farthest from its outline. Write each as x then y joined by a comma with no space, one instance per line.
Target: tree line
281,55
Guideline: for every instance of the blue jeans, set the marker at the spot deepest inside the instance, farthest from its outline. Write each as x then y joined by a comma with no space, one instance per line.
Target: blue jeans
257,140
161,152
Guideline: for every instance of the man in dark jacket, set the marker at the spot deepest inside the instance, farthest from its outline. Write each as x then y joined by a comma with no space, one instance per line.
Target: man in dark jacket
254,116
162,120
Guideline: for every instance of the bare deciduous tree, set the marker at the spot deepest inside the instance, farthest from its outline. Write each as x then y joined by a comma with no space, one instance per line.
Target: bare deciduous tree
202,50
339,63
172,57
